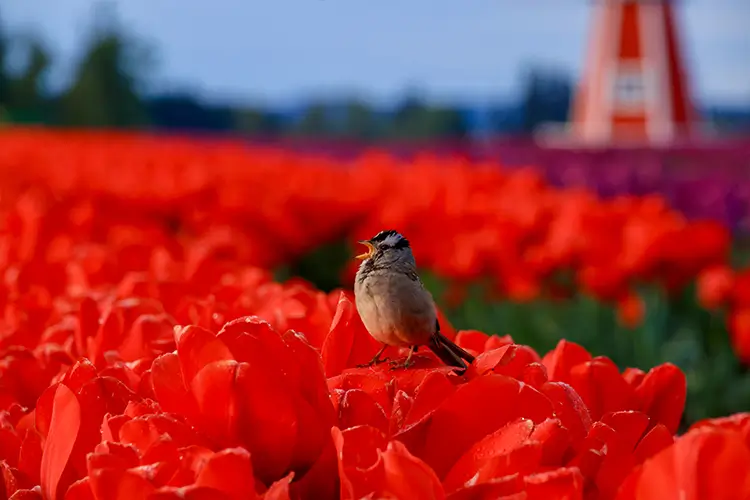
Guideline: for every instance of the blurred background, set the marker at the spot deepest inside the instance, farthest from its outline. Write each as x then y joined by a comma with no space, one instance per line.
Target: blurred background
479,80
328,68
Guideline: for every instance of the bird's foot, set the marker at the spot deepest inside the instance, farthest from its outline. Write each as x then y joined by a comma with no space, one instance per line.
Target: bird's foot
395,365
374,361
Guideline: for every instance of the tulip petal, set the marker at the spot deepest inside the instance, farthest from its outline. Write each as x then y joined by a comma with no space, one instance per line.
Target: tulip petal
504,488
434,389
280,489
187,493
662,393
569,408
169,386
270,425
564,483
213,388
696,466
119,484
80,374
359,408
80,490
510,360
12,480
471,339
554,439
30,456
321,480
348,343
192,460
252,340
406,476
474,410
27,494
230,472
196,348
112,455
602,388
10,446
561,360
314,406
629,425
63,431
501,442
402,404
375,383
655,440
739,422
360,465
311,378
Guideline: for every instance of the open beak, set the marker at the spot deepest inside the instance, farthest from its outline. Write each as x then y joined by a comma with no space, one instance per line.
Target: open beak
370,250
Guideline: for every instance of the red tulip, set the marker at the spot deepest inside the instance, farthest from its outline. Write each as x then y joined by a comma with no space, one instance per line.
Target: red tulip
705,463
715,286
224,383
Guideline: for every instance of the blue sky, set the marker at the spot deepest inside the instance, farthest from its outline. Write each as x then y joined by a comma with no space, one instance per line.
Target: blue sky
278,51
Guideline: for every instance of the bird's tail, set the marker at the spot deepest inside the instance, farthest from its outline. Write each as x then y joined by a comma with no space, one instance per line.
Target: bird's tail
448,352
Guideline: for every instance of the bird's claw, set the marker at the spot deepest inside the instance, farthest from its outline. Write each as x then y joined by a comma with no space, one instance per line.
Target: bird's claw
373,362
395,365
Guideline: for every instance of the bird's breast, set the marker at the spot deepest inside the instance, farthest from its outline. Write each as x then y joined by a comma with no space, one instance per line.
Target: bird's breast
395,309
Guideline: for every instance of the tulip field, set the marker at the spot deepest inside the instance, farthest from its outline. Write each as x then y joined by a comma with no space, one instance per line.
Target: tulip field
178,323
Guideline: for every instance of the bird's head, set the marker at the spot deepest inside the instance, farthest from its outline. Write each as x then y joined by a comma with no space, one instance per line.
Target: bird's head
387,246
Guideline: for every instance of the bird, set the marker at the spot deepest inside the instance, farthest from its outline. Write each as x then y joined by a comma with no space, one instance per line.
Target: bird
394,305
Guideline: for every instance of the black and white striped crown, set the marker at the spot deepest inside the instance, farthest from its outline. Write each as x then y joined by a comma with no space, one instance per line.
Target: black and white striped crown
390,238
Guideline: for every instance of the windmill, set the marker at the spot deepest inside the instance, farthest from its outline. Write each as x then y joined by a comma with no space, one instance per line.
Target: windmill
634,89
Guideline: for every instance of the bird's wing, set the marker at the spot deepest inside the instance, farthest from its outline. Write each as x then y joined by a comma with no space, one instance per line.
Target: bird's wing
412,275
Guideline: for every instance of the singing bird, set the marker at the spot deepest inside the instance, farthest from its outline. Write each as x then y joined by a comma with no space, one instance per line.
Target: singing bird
394,305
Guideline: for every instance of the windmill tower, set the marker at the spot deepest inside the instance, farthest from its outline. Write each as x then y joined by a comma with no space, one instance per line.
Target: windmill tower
634,88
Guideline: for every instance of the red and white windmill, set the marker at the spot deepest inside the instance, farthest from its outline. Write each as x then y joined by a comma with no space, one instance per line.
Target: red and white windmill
634,88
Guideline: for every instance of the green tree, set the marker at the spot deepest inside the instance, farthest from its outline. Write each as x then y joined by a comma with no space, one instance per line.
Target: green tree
448,123
314,122
415,120
546,98
256,121
105,92
3,70
25,90
21,97
410,119
360,121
